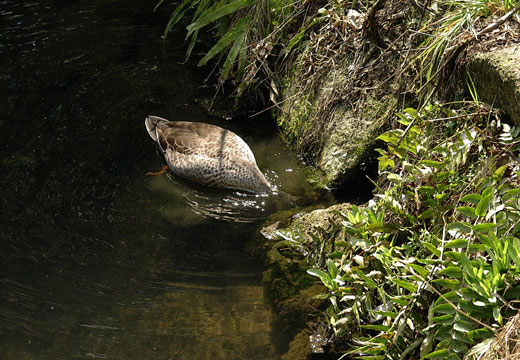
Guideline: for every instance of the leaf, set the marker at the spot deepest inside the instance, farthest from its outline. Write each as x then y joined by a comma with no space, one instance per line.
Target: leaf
215,14
376,327
513,193
242,63
462,327
233,35
384,162
432,164
459,346
429,213
369,282
481,333
394,177
333,269
451,271
408,286
457,244
472,198
450,295
422,271
426,190
232,55
482,206
462,227
433,249
499,173
388,228
192,44
444,309
444,319
439,354
447,283
467,211
484,227
177,14
324,277
391,136
514,251
455,256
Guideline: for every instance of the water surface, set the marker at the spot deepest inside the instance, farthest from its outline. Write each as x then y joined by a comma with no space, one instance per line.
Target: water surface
98,260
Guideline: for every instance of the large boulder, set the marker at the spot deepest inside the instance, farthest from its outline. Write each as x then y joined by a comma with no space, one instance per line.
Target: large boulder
496,75
332,128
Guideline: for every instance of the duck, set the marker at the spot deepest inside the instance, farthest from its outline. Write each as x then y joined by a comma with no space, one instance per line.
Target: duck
206,154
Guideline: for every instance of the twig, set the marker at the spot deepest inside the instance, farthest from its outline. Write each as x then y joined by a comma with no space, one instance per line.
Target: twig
499,22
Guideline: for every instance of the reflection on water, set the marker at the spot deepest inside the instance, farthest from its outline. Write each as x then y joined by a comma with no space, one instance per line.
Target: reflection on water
98,260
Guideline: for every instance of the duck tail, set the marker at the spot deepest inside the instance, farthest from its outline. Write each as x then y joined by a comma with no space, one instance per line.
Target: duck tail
151,125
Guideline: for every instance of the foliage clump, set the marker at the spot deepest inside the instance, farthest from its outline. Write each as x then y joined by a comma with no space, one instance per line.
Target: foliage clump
431,267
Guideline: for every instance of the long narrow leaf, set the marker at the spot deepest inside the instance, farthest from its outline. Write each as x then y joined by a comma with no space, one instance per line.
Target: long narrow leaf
236,33
233,53
177,14
192,44
215,14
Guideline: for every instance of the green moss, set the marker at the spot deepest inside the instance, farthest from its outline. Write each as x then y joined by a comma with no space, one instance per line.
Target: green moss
295,120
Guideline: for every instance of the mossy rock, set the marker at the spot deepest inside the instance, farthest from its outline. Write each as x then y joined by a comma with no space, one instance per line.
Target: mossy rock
496,75
348,148
337,136
286,275
287,285
308,222
299,348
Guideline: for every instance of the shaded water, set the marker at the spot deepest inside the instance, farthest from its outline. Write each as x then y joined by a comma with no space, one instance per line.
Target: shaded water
98,260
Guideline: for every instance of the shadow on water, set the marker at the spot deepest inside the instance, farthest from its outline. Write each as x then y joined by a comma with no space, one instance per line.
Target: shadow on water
98,260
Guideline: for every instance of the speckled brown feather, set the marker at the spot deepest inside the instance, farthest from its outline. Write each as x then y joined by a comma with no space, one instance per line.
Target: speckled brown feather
207,154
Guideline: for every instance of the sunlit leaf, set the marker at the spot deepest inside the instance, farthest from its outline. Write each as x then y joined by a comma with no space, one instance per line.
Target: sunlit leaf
457,244
237,33
467,211
499,173
472,198
444,309
408,286
324,277
216,13
451,271
482,206
432,164
421,270
462,227
444,319
447,283
484,227
439,354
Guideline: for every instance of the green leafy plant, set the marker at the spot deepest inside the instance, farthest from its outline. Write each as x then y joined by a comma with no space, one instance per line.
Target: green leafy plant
429,269
233,29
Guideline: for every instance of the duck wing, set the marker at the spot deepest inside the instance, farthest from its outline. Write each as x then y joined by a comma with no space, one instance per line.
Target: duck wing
202,139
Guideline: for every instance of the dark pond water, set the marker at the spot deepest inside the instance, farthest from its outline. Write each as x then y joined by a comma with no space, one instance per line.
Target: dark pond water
98,260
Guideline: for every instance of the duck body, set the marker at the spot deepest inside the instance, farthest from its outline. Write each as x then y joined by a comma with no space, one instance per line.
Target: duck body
207,154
